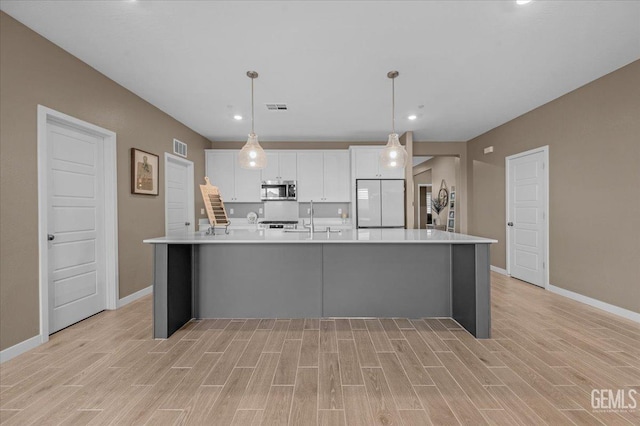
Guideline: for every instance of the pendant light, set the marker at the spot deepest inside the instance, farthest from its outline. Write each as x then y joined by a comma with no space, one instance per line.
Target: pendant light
252,155
393,156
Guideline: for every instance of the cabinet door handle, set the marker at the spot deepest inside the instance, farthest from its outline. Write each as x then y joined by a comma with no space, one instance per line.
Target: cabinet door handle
510,224
51,237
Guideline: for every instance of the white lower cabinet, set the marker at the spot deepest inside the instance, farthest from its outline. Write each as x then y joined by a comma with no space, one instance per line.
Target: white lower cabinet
235,183
323,176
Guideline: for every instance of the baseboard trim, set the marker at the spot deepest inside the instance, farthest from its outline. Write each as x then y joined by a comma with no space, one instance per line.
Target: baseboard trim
499,270
607,307
20,348
135,296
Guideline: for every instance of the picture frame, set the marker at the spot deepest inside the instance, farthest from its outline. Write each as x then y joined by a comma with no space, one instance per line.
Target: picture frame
452,214
451,224
452,196
144,172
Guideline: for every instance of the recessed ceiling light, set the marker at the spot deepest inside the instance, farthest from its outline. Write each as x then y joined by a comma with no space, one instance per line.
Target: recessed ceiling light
522,2
237,117
412,117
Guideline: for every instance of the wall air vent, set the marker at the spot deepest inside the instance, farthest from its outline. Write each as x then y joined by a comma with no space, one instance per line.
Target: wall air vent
180,148
276,107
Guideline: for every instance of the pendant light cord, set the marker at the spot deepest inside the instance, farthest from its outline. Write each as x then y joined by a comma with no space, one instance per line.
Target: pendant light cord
252,113
393,104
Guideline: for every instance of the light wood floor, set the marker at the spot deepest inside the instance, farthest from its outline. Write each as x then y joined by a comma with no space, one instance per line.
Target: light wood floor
546,355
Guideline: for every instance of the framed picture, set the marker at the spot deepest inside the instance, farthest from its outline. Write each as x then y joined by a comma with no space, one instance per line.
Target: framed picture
453,195
451,223
452,205
452,214
144,172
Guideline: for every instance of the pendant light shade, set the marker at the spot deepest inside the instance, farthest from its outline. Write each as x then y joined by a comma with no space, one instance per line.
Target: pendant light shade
394,155
252,156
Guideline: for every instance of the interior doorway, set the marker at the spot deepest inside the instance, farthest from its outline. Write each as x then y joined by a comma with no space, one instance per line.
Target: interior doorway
77,214
527,192
179,197
424,205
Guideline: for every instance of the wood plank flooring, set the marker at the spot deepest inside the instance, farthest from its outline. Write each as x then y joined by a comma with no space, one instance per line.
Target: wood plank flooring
546,355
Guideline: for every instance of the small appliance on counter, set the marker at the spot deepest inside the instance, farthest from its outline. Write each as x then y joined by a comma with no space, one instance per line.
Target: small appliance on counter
280,215
278,190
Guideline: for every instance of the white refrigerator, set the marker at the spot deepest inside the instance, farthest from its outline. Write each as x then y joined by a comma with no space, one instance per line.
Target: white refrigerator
380,203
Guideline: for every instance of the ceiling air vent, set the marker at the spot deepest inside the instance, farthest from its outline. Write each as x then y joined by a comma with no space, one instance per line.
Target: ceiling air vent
276,107
179,148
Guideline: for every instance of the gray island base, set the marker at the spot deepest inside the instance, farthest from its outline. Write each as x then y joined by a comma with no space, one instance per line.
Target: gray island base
359,273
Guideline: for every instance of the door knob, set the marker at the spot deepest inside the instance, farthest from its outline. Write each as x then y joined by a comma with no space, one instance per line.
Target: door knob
51,237
510,224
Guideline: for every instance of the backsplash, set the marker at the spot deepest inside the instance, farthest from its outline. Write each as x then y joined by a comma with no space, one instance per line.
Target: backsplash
325,210
241,210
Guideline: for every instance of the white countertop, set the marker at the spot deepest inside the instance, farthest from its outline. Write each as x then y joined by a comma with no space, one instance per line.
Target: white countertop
395,236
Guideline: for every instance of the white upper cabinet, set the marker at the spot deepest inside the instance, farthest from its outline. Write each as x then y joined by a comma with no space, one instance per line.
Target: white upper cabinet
280,166
367,165
235,183
323,176
336,176
310,184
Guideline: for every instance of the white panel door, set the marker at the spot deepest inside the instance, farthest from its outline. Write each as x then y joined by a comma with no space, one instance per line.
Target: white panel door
220,170
179,195
336,177
310,177
526,216
392,203
77,278
369,211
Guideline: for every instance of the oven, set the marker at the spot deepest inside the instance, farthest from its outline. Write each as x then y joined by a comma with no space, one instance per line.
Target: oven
278,190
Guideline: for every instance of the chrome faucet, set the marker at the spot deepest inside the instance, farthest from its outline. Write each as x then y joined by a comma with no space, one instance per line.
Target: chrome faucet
312,227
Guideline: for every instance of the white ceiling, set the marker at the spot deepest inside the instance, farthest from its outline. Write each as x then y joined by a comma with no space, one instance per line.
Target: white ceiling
473,64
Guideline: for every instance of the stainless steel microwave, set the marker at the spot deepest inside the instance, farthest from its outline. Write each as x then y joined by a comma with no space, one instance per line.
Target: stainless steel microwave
278,190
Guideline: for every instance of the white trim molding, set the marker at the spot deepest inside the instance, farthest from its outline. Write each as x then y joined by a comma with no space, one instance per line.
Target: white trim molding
135,296
499,270
44,116
607,307
20,348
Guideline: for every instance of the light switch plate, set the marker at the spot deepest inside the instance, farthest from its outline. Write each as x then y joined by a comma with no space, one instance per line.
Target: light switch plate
201,211
339,211
308,211
260,210
230,211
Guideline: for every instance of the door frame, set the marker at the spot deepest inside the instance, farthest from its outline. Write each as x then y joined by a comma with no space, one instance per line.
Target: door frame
190,189
110,202
545,171
420,185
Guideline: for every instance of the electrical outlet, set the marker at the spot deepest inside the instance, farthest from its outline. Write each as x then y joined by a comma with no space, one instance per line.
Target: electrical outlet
260,210
230,211
308,211
339,211
201,211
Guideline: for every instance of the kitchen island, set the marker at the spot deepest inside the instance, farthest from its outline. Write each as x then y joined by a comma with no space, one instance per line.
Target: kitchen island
352,273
